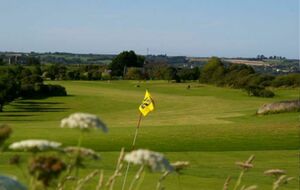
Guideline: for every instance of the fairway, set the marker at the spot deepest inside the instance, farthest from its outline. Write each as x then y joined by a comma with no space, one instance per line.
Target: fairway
208,126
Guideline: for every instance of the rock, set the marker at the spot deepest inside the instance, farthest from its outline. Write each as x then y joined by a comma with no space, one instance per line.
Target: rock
277,107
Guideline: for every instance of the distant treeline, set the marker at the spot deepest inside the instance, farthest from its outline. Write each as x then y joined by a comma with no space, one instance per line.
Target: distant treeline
244,77
21,82
128,65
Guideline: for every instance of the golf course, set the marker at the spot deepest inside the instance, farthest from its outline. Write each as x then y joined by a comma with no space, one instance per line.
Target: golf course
210,127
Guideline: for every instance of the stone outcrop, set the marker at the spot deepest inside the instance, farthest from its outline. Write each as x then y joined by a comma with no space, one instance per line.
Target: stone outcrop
278,107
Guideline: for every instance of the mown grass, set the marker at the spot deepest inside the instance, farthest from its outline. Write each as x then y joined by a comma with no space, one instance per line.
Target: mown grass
209,126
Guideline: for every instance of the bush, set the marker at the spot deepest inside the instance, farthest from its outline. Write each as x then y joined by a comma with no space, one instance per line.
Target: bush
213,71
259,91
261,80
105,76
28,91
292,80
39,90
54,90
134,73
266,93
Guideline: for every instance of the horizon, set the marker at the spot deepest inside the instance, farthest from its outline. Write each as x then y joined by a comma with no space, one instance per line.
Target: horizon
78,53
230,29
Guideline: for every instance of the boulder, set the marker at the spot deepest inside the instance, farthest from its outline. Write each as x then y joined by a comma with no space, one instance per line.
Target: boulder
278,107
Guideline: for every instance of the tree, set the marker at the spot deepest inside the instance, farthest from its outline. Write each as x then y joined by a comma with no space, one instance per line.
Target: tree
37,70
55,71
170,73
212,71
9,90
156,70
188,74
1,61
124,60
292,80
33,61
134,73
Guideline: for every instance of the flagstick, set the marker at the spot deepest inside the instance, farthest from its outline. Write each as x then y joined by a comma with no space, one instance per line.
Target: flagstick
133,146
136,132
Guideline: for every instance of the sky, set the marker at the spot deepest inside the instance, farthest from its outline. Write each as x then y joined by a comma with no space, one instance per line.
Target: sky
224,28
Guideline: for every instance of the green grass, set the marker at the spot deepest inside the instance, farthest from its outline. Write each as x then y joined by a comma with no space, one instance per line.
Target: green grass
209,126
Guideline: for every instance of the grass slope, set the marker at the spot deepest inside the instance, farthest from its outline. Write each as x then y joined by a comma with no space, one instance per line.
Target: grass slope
209,126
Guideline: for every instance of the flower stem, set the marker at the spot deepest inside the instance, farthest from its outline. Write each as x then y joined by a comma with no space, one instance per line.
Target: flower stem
141,181
78,153
179,182
239,180
161,179
136,177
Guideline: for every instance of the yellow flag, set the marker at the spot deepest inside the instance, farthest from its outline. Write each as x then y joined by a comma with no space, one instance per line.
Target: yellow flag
147,104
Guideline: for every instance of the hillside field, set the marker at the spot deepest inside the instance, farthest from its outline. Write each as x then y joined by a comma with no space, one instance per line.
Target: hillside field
211,127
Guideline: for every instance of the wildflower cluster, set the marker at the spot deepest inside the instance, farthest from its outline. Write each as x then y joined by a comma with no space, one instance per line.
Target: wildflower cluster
83,121
154,160
81,152
35,145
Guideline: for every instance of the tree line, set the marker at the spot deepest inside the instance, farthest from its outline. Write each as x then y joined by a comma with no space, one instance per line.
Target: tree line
130,66
20,82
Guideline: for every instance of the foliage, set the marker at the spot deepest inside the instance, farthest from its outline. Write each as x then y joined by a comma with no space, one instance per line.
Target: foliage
287,80
124,60
158,71
22,82
236,76
212,71
134,73
259,91
9,88
33,61
187,74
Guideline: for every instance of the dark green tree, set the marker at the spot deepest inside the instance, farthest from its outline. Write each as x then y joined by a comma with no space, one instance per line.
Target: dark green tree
9,90
124,60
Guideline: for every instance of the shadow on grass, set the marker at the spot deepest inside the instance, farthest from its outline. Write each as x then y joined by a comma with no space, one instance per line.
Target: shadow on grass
38,103
16,115
35,106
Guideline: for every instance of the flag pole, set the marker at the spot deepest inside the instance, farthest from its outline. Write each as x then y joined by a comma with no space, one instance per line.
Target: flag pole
132,148
136,131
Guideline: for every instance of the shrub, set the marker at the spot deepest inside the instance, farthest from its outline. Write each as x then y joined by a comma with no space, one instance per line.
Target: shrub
28,91
292,80
259,91
54,90
212,71
134,73
39,90
266,93
105,76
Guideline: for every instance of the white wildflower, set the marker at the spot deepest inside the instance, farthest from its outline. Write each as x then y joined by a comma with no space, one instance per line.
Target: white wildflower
180,165
7,183
275,172
83,152
35,145
156,161
83,121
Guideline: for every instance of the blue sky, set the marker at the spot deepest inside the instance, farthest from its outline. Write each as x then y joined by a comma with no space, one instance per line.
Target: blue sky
231,28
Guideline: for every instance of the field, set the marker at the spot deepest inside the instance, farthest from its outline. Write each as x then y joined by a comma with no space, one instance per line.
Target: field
208,126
